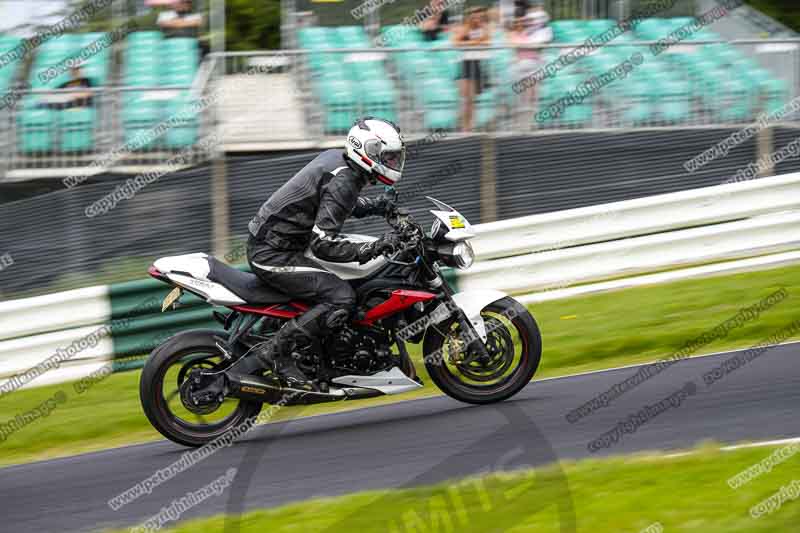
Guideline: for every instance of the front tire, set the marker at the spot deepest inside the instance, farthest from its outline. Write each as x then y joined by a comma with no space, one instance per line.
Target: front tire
493,380
188,346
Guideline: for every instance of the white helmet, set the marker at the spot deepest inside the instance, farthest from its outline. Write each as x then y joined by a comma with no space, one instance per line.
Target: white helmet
376,145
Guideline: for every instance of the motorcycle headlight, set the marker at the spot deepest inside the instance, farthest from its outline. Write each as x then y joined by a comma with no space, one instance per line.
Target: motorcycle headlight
458,255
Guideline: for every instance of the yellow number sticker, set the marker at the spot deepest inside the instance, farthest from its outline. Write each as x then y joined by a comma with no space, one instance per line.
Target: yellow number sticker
456,222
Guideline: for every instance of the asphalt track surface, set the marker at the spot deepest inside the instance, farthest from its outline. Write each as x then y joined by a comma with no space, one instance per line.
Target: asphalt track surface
411,443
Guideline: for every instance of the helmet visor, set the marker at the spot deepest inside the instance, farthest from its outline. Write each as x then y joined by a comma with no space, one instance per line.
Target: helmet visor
394,159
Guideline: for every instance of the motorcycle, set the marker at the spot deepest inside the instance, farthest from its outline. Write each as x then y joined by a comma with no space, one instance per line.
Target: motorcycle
478,346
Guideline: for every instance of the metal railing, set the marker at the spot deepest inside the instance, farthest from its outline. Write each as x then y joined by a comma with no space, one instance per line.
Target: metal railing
312,96
294,99
116,129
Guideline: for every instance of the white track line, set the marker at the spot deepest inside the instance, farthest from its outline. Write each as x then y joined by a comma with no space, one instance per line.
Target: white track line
589,372
731,448
714,269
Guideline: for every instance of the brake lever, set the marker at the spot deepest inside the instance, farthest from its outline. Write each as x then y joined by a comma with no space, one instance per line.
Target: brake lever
399,263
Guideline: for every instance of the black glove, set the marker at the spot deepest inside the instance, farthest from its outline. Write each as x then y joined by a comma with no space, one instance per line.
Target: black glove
377,206
386,244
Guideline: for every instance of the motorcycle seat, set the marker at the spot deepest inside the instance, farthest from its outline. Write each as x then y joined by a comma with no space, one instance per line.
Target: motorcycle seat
245,285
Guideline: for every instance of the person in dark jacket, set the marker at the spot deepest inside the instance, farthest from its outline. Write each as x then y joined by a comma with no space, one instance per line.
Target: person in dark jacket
308,211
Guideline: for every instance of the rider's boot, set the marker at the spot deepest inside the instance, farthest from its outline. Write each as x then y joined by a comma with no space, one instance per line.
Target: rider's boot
278,350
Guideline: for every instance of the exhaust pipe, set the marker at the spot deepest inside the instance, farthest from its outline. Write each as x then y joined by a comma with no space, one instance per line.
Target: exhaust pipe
258,389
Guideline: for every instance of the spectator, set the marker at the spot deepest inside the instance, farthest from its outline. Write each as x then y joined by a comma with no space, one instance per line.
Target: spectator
180,22
72,99
529,30
512,10
473,32
437,23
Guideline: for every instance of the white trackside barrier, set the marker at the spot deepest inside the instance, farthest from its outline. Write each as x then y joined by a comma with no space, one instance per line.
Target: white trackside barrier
55,356
53,312
592,262
724,228
642,216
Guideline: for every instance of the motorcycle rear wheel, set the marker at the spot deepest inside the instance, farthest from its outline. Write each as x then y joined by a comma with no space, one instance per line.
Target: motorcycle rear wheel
192,347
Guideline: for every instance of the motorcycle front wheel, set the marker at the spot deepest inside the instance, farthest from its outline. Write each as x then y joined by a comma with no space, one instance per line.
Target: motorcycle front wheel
514,349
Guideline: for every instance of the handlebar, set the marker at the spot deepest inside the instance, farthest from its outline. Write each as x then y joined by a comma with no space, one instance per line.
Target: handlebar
400,220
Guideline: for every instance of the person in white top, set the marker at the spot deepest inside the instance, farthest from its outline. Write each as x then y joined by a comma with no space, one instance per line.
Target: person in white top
180,22
471,80
530,30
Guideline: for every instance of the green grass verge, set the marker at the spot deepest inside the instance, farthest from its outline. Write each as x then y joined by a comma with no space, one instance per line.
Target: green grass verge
579,334
617,495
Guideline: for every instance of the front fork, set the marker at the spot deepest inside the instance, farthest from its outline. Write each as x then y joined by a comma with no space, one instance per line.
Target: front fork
475,348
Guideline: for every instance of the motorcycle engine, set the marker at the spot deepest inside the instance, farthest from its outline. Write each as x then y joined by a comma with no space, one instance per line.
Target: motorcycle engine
359,351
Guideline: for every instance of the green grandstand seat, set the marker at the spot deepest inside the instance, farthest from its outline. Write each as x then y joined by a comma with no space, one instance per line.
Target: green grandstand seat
775,94
378,98
446,63
599,25
85,39
139,116
501,64
402,35
180,59
66,44
349,84
352,37
563,27
178,78
97,72
339,105
141,79
440,103
485,108
76,129
35,130
703,35
313,36
654,27
184,132
365,70
636,101
549,91
144,37
672,99
596,63
320,62
142,62
180,43
735,103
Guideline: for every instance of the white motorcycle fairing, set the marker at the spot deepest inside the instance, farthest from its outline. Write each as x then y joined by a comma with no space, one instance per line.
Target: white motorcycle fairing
352,270
392,381
472,303
191,271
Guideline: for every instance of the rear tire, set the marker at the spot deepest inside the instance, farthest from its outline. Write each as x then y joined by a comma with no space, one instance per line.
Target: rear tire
531,354
155,405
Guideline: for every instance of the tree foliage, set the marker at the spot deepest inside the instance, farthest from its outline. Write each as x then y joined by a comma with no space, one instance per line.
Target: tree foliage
252,25
786,12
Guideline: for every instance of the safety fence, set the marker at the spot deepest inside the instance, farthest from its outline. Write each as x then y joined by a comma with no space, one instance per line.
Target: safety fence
108,229
78,331
108,130
315,94
307,98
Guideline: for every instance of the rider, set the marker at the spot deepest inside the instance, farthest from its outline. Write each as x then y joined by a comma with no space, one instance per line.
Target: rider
308,211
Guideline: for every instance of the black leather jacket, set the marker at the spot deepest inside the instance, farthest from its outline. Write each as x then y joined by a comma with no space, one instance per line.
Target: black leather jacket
310,209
